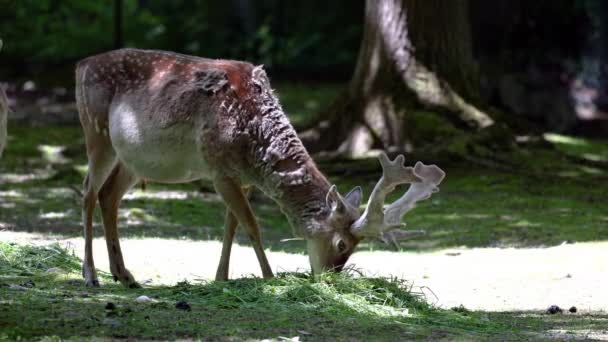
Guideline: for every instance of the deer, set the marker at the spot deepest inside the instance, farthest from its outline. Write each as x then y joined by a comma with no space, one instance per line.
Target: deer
172,118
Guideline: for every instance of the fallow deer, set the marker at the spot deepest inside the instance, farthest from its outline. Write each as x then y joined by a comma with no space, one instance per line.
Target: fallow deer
172,118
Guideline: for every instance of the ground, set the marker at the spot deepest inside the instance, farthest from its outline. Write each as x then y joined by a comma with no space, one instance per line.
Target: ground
503,244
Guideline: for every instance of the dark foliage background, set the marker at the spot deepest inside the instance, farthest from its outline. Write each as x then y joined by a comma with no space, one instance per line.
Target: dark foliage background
529,52
312,36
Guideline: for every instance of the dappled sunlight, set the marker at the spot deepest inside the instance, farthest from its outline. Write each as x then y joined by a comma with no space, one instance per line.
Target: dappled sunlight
595,157
56,215
525,224
12,194
564,139
54,193
451,217
35,175
16,197
171,195
592,170
53,154
137,217
478,216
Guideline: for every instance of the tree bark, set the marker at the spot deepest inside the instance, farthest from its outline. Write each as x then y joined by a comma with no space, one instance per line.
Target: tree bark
414,54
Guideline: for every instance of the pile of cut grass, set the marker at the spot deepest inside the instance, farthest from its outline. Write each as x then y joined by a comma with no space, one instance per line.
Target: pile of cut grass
27,260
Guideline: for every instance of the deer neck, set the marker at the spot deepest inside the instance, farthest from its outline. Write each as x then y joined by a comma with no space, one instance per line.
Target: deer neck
285,172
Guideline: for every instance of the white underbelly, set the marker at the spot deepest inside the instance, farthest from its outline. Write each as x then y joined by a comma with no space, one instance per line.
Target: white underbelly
169,155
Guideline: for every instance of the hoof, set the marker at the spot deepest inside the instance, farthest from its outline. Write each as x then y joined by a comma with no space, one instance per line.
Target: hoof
133,285
91,283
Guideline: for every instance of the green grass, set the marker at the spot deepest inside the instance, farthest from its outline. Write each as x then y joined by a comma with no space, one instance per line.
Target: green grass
335,307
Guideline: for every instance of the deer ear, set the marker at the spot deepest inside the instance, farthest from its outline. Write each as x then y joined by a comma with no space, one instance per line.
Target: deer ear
354,197
211,80
334,200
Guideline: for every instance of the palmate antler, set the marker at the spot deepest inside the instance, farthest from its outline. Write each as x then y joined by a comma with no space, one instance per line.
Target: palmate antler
385,224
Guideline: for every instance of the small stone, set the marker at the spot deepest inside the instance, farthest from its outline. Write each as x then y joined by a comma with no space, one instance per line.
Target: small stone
53,270
17,287
553,309
182,305
144,299
573,309
110,306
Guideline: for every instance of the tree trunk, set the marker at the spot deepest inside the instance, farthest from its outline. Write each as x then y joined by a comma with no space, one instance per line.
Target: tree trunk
414,54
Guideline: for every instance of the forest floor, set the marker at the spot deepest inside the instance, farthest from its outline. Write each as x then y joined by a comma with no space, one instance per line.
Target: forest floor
502,245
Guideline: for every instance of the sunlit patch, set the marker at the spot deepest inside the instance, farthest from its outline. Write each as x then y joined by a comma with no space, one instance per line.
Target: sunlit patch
82,169
170,195
137,217
507,217
55,215
53,154
451,217
60,193
12,194
591,170
562,139
594,157
26,177
478,216
174,195
525,224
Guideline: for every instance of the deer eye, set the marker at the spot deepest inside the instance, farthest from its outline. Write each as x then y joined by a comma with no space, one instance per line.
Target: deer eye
341,246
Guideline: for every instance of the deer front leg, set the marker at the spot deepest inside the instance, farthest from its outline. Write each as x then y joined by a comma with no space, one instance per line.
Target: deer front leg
230,224
88,206
119,182
237,202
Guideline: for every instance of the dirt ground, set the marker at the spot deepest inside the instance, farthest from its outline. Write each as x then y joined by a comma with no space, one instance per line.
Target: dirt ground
491,279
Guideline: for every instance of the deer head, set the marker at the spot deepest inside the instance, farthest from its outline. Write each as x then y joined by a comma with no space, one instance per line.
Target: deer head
345,227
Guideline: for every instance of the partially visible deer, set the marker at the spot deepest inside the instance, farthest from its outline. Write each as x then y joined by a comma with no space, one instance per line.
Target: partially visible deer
172,118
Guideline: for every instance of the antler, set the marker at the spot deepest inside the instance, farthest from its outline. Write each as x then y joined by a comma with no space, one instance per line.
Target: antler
384,224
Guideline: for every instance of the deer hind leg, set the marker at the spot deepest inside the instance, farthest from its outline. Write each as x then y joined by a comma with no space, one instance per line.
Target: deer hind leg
119,182
101,160
93,103
236,202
